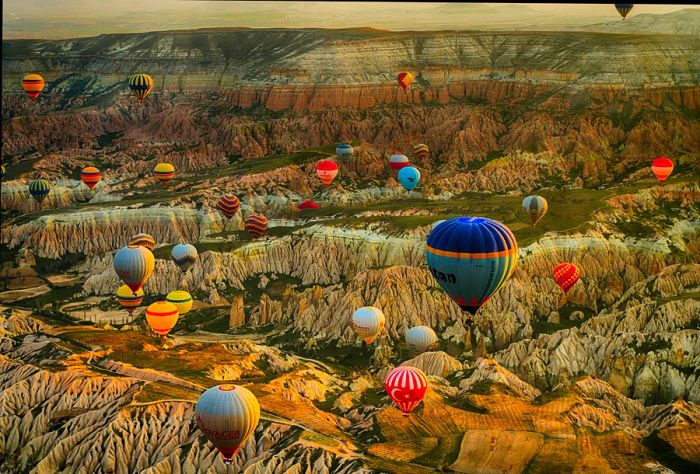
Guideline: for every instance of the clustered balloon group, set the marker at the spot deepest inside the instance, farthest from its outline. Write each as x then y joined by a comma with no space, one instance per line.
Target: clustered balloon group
471,258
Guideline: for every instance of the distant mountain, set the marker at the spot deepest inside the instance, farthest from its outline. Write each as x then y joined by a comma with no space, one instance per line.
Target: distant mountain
682,22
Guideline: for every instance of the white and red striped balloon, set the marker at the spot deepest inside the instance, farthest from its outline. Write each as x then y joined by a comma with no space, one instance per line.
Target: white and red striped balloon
406,386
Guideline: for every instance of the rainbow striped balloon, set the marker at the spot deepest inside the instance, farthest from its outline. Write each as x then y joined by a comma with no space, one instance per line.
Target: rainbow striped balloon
90,176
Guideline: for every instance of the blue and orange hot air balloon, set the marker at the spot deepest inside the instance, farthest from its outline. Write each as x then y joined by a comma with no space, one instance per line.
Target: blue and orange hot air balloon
141,85
134,265
33,84
471,258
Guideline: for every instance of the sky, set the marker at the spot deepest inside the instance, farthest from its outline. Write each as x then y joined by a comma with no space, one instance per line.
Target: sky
53,19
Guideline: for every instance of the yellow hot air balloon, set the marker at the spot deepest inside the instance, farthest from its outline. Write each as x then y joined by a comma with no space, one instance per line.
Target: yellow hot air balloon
33,84
128,299
141,85
162,317
181,299
164,172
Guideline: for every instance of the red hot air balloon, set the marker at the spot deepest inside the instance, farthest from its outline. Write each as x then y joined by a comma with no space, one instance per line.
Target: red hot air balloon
228,205
256,225
406,386
307,205
327,170
90,176
662,168
405,79
566,275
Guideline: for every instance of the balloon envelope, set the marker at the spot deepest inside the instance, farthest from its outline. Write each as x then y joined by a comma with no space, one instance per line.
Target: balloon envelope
307,205
184,256
228,205
535,207
39,189
566,275
344,151
420,339
143,240
128,299
406,386
405,79
421,151
227,415
141,85
162,317
624,8
90,176
368,322
471,258
256,224
33,84
662,168
398,161
182,301
326,170
409,177
134,265
164,172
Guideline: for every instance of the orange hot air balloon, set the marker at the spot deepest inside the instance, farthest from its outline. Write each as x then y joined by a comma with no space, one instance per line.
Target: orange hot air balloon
566,275
327,170
90,176
662,168
162,316
405,79
33,84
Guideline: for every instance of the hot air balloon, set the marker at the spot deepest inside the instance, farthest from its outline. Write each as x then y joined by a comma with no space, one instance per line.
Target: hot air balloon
164,172
344,151
256,224
420,338
662,168
162,317
405,79
134,265
624,8
39,189
398,161
182,301
471,258
307,205
535,207
409,177
327,170
227,415
421,151
128,299
33,84
368,322
184,256
228,205
143,240
566,275
141,85
90,176
406,386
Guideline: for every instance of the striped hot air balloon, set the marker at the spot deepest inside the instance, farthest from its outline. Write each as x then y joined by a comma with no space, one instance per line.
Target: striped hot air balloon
306,205
164,172
184,256
256,224
368,322
398,161
471,258
327,170
344,151
33,84
409,177
143,240
535,207
182,301
39,189
141,85
227,415
421,151
405,80
566,275
90,176
128,299
420,338
406,386
662,168
624,8
134,265
162,317
228,205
